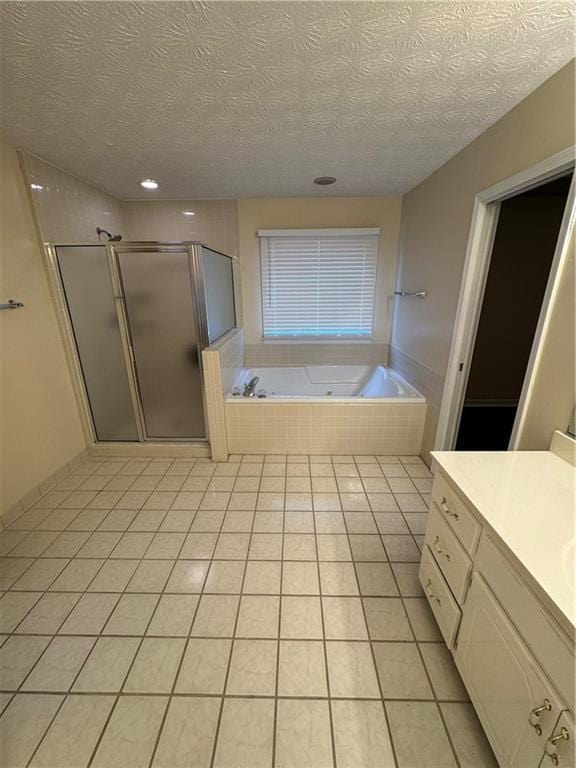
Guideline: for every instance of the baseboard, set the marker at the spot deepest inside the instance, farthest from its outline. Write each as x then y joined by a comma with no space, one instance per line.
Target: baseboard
153,450
29,499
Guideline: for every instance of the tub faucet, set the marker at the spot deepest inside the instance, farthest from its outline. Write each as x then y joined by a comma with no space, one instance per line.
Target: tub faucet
250,388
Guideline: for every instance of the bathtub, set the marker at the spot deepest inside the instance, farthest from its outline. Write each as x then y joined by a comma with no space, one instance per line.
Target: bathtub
328,409
320,382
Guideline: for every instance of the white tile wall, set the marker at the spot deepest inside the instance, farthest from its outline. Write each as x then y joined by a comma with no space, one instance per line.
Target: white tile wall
310,353
430,384
215,222
69,209
222,363
319,428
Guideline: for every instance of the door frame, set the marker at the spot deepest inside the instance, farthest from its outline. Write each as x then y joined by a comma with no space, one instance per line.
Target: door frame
477,262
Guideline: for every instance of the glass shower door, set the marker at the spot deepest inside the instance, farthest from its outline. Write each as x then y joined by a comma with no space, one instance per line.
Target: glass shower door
159,300
91,306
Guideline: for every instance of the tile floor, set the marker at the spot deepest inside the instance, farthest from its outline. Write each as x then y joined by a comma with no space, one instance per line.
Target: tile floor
260,612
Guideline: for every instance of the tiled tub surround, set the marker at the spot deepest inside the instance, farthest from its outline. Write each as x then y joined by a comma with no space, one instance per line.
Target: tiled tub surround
222,364
431,384
311,353
271,426
303,421
260,612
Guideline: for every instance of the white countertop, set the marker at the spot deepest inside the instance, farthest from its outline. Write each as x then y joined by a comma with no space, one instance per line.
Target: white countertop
527,498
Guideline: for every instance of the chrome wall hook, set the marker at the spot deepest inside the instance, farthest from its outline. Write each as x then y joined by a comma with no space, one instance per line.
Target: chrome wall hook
12,304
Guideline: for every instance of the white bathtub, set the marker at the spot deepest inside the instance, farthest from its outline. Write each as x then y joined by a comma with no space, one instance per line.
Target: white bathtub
321,383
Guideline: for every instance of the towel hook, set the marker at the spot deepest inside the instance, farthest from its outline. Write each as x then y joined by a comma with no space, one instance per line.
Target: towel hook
12,304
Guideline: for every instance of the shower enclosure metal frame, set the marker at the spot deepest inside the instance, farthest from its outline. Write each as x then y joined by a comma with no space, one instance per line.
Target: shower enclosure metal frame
113,249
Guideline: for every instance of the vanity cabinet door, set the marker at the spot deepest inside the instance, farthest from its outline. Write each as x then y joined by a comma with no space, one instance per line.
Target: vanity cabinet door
514,701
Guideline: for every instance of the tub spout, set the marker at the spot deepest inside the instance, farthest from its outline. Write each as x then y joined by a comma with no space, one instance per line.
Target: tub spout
250,388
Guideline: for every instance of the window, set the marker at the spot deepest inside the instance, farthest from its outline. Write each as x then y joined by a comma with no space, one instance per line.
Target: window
318,283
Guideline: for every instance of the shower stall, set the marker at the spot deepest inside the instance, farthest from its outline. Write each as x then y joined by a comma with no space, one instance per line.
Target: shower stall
140,315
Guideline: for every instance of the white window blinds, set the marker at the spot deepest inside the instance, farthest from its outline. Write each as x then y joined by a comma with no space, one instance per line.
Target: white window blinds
318,283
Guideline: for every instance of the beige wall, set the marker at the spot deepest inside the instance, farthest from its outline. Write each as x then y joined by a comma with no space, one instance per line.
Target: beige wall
40,428
322,212
436,219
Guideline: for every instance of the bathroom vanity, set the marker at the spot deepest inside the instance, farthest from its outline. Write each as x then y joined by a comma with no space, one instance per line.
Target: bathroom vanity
498,572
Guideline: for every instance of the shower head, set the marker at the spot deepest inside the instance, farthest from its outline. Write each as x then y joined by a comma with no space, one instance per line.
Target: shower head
112,238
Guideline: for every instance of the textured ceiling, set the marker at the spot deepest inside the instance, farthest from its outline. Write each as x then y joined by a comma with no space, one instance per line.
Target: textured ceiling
235,99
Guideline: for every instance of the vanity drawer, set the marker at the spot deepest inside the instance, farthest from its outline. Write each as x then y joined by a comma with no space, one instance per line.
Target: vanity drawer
456,513
449,554
442,603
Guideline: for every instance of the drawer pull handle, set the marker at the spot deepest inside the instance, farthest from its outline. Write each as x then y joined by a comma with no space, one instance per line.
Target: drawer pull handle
562,736
546,707
446,509
430,594
439,550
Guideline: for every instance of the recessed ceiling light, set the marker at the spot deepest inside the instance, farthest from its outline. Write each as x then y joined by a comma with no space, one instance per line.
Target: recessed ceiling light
324,181
36,186
149,184
188,213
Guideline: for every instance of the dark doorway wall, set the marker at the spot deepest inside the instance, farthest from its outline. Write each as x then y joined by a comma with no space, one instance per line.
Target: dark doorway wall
524,245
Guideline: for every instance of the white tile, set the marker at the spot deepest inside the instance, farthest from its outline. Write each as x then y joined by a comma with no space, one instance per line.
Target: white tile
303,736
246,734
173,615
49,613
361,735
417,730
59,664
188,734
401,671
344,618
155,666
351,670
300,578
37,711
131,615
301,618
204,666
302,670
74,733
469,740
107,666
90,614
258,616
17,657
215,616
14,606
40,575
253,668
130,736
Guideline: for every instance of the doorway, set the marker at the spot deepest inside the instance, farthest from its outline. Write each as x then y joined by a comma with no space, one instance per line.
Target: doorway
522,255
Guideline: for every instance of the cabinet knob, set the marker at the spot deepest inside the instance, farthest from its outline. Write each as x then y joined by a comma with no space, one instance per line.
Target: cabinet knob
446,509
